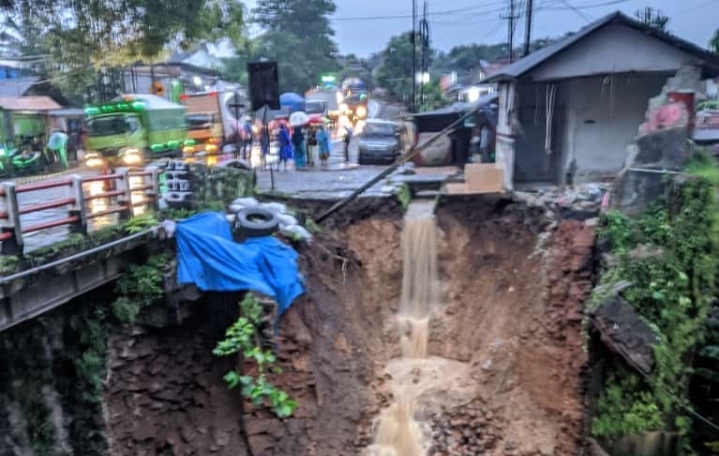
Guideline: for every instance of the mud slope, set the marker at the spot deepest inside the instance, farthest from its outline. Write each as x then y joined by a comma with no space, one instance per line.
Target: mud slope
165,391
514,283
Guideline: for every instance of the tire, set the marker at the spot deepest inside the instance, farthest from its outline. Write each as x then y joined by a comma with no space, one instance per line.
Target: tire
256,222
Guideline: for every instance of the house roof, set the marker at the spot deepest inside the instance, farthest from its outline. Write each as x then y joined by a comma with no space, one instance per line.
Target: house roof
16,87
39,103
533,60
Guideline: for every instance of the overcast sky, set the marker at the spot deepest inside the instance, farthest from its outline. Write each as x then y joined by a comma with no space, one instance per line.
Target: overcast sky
361,27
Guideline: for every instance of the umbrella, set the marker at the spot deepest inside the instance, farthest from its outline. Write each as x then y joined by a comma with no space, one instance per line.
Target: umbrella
298,119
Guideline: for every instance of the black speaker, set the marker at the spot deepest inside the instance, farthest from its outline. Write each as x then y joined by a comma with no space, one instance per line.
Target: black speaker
264,85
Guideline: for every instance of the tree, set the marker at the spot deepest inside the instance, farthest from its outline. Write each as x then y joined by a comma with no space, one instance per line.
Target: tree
714,42
298,35
395,72
80,36
653,18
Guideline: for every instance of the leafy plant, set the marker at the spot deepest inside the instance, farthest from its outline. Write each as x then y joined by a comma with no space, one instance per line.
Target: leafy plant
672,287
140,223
404,195
626,406
242,338
139,287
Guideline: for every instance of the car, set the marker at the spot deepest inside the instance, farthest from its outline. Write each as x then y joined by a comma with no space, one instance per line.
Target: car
381,142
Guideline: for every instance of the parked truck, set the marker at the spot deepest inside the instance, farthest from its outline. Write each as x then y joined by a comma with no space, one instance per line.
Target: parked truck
134,128
207,127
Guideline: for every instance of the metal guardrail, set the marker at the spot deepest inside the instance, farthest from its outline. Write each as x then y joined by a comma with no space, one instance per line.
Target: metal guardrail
120,193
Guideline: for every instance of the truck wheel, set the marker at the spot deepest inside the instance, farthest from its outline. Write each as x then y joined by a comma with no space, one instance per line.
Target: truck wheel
256,222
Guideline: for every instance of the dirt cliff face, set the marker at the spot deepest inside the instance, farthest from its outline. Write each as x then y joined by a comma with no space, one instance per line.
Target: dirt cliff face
504,375
166,395
515,283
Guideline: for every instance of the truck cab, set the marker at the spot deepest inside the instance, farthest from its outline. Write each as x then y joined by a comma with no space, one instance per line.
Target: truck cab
205,127
132,129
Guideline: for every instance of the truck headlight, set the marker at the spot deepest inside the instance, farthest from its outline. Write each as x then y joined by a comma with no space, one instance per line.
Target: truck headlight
362,111
93,160
131,156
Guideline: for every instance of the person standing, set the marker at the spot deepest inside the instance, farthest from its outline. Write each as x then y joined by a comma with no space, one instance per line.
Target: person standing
265,144
312,147
285,146
57,143
247,139
347,139
323,144
298,143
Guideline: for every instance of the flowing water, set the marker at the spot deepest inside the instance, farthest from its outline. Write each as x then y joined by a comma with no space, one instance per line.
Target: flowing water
399,434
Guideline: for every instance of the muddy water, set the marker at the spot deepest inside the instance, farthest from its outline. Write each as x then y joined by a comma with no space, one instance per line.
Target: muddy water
399,433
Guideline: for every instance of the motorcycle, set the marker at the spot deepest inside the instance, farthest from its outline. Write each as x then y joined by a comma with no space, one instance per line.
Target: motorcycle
28,157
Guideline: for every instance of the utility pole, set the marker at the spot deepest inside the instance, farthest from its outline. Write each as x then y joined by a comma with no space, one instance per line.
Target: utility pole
424,39
510,34
528,27
413,39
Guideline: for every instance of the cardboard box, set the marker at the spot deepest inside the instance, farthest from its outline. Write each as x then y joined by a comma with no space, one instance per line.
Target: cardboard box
484,178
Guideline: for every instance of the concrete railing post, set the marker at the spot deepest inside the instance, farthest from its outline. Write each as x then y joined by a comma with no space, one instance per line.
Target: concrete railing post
78,209
13,245
123,184
155,182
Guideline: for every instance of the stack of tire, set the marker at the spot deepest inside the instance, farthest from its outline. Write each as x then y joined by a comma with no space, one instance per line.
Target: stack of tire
250,218
178,184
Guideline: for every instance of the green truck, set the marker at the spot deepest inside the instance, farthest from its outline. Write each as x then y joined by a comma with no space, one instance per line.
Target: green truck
132,129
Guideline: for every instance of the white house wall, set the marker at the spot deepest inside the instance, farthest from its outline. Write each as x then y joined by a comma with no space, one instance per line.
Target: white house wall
603,115
615,48
504,148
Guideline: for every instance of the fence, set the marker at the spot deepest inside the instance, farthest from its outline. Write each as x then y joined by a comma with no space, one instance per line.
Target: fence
117,189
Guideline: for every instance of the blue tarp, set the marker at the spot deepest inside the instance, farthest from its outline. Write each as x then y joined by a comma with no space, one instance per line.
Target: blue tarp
208,257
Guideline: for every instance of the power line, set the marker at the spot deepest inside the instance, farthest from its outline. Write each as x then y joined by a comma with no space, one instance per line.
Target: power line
409,16
576,10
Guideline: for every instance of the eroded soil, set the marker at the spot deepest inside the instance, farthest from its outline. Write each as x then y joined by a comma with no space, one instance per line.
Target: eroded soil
505,365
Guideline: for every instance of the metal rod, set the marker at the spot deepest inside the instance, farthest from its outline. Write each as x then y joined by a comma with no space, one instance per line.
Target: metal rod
113,210
53,224
46,206
30,272
43,186
343,202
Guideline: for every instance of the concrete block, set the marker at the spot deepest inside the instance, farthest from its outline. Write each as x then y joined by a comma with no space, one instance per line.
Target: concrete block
637,190
663,149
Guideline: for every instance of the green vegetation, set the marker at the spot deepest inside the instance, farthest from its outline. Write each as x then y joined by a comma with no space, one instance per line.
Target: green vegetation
404,195
670,255
139,287
243,339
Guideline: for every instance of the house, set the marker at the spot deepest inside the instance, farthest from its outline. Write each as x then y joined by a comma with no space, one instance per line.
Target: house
571,109
198,70
468,88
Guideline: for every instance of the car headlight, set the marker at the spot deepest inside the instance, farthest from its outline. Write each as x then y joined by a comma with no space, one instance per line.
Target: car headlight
362,111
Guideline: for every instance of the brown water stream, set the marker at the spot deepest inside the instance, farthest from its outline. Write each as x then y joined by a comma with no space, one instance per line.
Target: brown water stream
399,433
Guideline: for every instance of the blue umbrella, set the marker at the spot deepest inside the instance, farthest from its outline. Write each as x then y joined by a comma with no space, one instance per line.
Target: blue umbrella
293,101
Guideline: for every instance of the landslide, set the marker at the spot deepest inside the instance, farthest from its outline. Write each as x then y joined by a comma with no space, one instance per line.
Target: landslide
506,359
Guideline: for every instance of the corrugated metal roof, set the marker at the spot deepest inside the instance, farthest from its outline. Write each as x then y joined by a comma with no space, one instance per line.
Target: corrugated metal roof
68,112
28,103
16,87
526,64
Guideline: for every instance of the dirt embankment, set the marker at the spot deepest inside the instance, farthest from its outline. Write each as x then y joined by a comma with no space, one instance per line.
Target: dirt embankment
166,395
503,377
515,281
